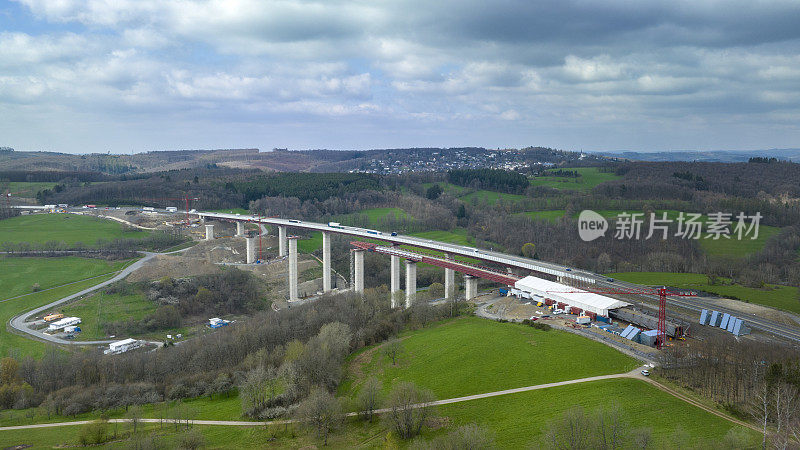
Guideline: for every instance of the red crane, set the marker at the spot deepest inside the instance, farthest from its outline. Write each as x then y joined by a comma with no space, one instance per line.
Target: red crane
185,198
662,293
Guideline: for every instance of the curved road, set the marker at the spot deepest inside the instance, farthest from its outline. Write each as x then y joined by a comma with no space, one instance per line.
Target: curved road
20,322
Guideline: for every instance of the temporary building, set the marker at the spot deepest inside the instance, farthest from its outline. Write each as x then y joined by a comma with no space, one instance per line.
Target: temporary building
587,301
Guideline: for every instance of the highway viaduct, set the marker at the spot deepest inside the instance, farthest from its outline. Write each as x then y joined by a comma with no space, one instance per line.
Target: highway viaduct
287,247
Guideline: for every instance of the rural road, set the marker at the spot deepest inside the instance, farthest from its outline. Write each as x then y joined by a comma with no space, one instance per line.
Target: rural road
20,322
636,373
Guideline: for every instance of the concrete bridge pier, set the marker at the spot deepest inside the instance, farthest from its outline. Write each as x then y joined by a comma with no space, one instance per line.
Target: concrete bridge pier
449,284
251,250
209,232
470,287
411,282
281,241
240,228
394,272
293,294
326,261
358,275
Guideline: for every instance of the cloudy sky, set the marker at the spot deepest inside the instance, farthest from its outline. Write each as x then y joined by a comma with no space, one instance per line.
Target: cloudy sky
135,75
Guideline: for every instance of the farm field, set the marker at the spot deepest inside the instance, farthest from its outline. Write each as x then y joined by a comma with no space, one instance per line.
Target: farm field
68,228
470,196
779,297
437,358
99,308
590,177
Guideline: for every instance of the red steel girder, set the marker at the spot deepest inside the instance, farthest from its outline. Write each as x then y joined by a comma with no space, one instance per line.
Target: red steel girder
480,272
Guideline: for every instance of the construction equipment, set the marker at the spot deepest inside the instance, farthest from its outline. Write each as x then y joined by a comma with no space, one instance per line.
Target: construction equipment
662,293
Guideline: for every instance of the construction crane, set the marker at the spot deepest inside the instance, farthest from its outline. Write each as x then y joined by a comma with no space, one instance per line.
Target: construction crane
185,198
662,293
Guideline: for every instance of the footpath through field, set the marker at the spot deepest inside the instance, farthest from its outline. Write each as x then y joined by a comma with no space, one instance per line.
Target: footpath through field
636,373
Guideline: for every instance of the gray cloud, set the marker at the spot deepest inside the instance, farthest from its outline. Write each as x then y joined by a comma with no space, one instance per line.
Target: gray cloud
589,74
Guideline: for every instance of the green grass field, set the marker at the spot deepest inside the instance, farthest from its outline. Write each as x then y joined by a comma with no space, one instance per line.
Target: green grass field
12,344
457,236
467,195
590,177
99,308
69,228
780,297
471,355
375,215
551,216
24,188
18,275
519,420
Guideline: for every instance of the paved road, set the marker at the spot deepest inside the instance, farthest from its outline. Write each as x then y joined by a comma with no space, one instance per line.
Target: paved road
19,322
636,373
693,305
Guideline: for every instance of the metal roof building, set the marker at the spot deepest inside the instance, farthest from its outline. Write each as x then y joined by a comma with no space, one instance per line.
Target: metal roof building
587,301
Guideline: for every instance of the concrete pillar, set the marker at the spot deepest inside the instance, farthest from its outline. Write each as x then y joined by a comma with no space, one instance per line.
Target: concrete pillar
326,261
411,282
394,272
470,287
358,277
281,241
251,250
209,232
240,228
293,269
449,284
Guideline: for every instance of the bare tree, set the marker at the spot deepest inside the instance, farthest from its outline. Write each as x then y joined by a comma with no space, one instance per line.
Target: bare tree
134,416
407,410
760,409
393,349
321,411
610,429
571,431
642,437
369,398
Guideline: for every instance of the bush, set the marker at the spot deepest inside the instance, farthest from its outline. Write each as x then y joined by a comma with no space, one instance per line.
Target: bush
191,440
541,326
94,433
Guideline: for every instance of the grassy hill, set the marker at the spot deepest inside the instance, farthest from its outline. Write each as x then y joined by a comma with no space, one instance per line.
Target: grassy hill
590,177
436,358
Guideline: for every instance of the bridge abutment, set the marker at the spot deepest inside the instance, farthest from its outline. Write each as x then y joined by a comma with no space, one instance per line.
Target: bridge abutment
326,261
394,272
209,232
358,276
293,294
470,287
282,241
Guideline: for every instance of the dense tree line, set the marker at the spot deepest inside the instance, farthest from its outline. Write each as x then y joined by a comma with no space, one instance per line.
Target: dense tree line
305,186
204,366
107,248
492,179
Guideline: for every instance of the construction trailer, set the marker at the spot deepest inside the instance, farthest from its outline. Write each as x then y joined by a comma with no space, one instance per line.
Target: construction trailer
122,346
63,323
52,317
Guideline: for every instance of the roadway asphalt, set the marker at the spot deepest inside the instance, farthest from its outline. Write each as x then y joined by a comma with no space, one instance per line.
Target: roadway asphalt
690,304
20,322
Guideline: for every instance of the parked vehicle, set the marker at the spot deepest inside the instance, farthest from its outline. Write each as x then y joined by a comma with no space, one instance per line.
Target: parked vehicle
394,233
646,373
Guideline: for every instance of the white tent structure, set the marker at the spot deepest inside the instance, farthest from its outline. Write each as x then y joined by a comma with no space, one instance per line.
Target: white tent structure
587,301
